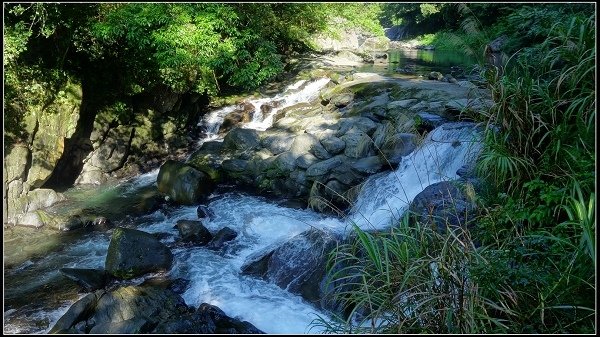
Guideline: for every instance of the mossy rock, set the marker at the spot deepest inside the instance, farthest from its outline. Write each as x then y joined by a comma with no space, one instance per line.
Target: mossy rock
183,183
133,253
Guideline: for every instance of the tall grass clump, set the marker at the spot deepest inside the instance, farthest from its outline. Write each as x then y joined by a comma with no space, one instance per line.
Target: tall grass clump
539,163
413,279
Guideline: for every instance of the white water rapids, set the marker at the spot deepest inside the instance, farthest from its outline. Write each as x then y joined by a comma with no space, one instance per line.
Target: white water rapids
215,277
301,91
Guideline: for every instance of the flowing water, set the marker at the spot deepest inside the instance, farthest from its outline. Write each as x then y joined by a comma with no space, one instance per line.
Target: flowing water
301,91
36,294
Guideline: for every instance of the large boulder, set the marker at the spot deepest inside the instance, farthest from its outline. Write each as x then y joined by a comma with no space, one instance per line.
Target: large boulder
241,140
183,183
208,159
132,253
443,204
299,265
146,309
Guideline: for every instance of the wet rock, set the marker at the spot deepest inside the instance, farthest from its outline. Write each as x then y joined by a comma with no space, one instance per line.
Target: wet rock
401,145
226,324
299,265
204,212
128,326
78,312
183,183
208,159
102,224
242,114
146,309
443,204
88,279
132,253
193,231
224,235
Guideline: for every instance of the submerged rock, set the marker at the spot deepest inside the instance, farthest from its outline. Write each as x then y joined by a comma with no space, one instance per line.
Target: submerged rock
193,231
132,253
224,235
204,212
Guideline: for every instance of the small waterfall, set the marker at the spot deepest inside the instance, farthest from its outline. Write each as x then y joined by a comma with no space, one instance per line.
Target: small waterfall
385,197
212,122
301,91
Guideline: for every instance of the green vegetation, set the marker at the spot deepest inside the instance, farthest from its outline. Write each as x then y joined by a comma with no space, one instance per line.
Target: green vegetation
125,49
528,266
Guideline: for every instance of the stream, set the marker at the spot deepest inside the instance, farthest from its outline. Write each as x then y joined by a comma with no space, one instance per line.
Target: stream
36,294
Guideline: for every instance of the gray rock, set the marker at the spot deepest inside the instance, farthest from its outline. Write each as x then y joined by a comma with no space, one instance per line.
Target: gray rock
146,309
193,231
306,160
368,165
475,104
298,265
128,326
342,100
235,165
278,142
240,139
358,143
333,145
132,253
305,143
324,167
77,312
431,120
204,212
364,124
403,104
